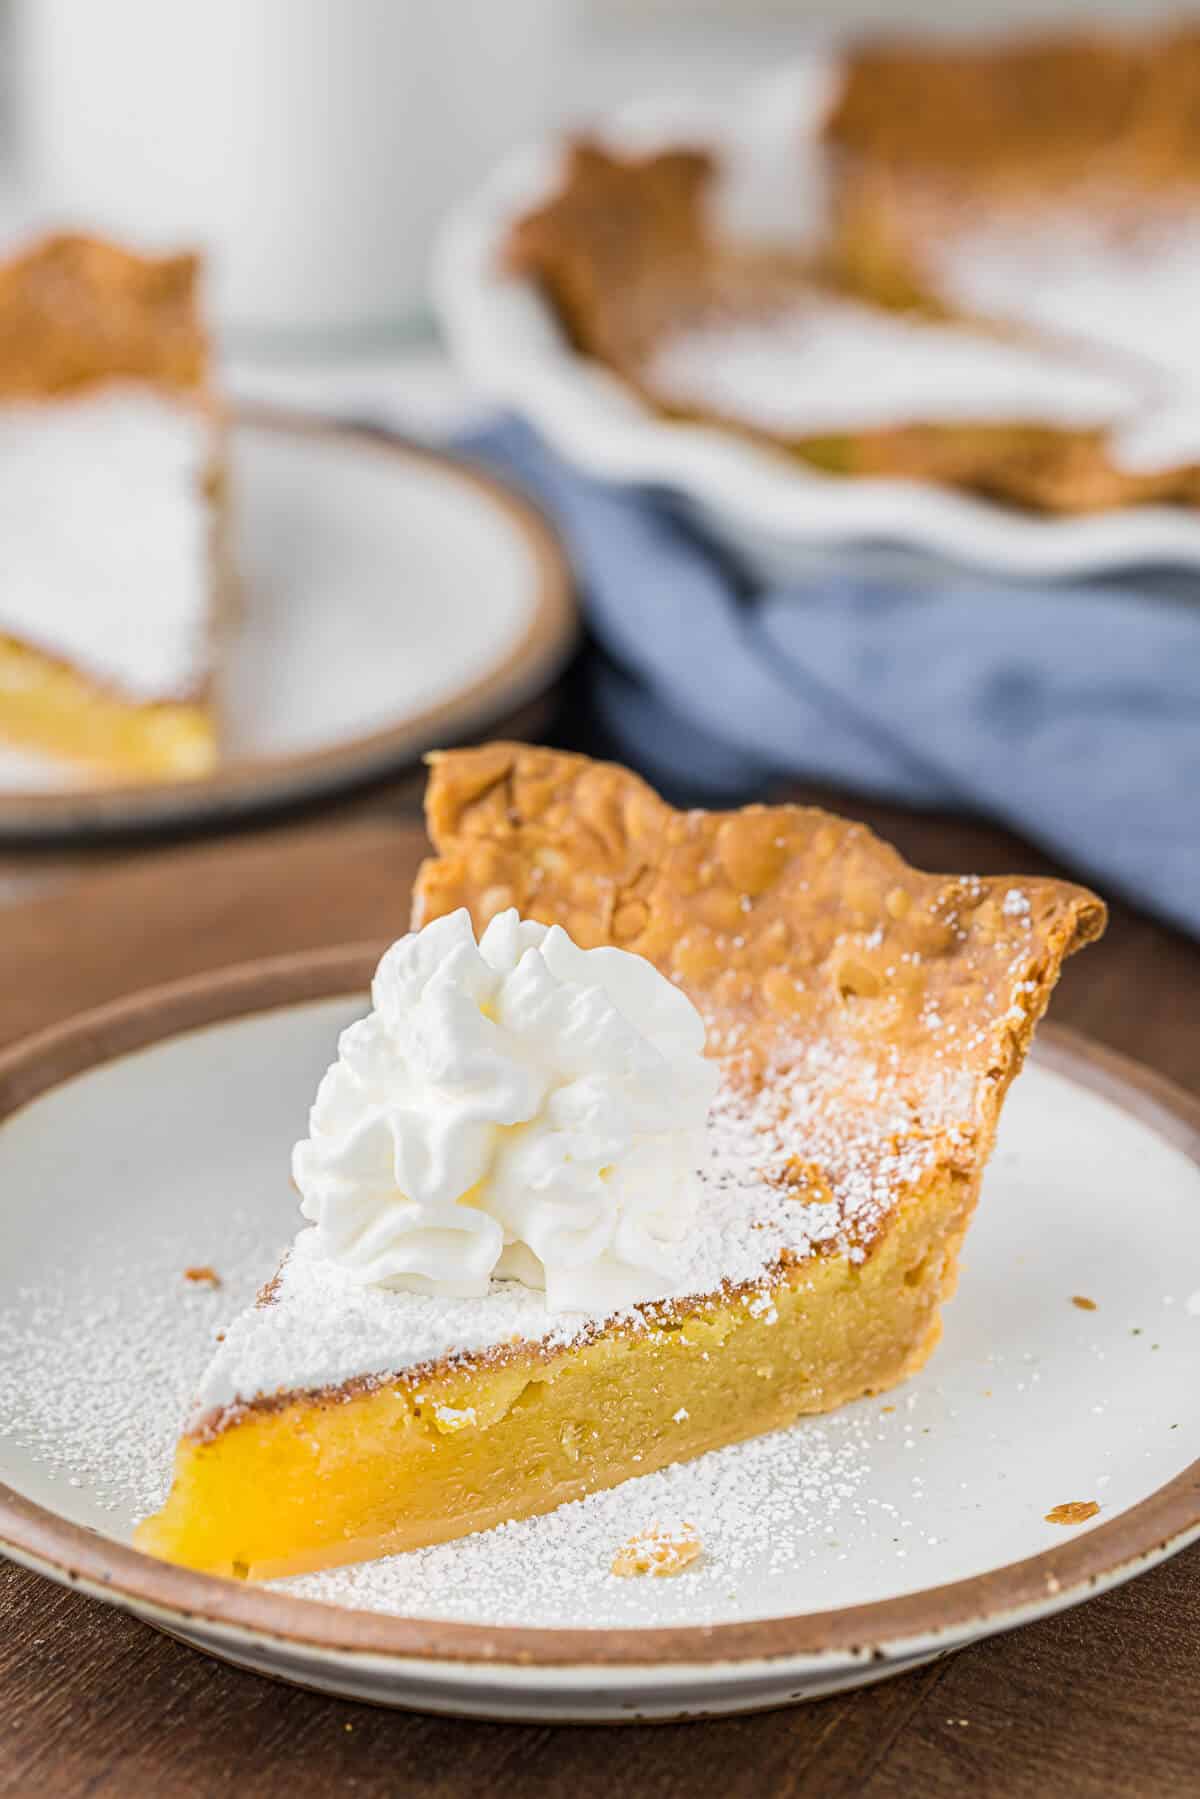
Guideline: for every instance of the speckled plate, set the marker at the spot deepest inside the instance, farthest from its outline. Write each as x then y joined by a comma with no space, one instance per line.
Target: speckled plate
390,600
154,1136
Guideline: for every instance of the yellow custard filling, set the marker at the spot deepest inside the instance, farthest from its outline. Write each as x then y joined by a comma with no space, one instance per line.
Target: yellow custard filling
50,708
318,1480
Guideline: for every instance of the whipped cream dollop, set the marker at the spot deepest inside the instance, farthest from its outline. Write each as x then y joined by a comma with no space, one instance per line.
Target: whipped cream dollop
518,1109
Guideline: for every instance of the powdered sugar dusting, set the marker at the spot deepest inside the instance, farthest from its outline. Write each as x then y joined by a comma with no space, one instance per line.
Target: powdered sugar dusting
757,1211
97,1367
1113,273
1116,275
760,1510
838,366
106,529
1027,1400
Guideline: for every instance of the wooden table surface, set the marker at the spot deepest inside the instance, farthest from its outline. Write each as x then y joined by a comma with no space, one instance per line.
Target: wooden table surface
1100,1700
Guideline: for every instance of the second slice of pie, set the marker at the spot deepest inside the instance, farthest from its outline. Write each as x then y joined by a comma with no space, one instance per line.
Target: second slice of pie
521,1286
113,571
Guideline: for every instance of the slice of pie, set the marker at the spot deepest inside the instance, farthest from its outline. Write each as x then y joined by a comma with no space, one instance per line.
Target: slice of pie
866,1021
112,558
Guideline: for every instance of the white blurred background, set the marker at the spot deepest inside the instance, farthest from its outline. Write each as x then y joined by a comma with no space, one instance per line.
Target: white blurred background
853,14
312,147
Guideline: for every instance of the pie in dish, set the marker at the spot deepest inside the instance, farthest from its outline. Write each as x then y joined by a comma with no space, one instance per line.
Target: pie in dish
1044,185
1000,301
111,498
865,1021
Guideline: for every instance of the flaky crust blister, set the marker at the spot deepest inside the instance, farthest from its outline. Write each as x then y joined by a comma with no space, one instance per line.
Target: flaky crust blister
903,1002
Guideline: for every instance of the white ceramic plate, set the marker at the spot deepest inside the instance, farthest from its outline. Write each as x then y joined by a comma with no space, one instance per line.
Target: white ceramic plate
391,601
774,513
154,1136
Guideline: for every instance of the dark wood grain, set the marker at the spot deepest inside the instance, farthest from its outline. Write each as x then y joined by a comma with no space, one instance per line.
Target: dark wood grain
1099,1701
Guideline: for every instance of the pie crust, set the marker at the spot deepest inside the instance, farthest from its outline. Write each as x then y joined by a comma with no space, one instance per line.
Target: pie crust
1087,138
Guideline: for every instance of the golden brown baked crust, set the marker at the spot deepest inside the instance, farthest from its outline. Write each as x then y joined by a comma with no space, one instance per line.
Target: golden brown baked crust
1030,115
891,1009
928,140
75,311
1028,110
620,248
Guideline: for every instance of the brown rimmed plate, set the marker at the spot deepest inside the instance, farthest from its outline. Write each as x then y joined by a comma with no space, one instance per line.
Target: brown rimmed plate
391,599
179,1107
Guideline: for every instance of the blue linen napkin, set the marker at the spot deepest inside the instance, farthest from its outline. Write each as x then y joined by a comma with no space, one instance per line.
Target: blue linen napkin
1069,712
